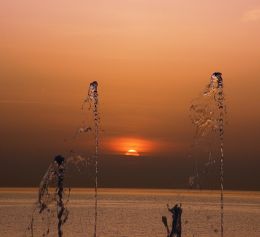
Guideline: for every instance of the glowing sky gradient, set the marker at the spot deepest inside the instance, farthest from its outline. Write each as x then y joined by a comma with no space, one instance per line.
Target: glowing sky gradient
151,58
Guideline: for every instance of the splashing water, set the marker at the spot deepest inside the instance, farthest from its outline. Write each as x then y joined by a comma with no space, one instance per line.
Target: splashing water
220,101
92,99
62,212
52,191
207,115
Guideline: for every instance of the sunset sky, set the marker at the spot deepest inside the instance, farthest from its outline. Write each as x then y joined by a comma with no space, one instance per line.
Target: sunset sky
151,58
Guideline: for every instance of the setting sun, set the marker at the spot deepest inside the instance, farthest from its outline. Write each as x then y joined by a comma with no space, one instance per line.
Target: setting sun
129,118
130,146
132,152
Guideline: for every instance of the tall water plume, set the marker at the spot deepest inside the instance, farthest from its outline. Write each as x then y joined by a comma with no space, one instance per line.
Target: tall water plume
92,100
207,113
53,193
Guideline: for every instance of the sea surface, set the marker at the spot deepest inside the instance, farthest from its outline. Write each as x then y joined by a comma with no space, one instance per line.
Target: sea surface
133,213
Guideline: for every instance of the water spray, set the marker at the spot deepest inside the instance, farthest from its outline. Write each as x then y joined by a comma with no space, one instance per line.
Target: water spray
51,188
62,213
220,100
207,115
53,191
92,99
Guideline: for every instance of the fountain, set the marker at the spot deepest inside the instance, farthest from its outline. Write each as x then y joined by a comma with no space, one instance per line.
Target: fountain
92,100
53,192
52,189
207,114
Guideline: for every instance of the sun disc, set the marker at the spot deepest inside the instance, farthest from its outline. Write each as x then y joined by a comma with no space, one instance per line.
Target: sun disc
132,152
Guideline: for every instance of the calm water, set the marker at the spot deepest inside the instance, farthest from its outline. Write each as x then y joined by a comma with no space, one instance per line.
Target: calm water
136,213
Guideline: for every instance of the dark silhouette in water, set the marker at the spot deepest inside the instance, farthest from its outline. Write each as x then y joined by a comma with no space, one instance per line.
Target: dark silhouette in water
164,220
176,212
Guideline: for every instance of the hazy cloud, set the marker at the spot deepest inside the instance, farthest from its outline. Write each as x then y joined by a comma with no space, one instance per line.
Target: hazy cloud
252,15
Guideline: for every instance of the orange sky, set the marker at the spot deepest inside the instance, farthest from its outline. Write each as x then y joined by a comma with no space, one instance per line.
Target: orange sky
151,59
